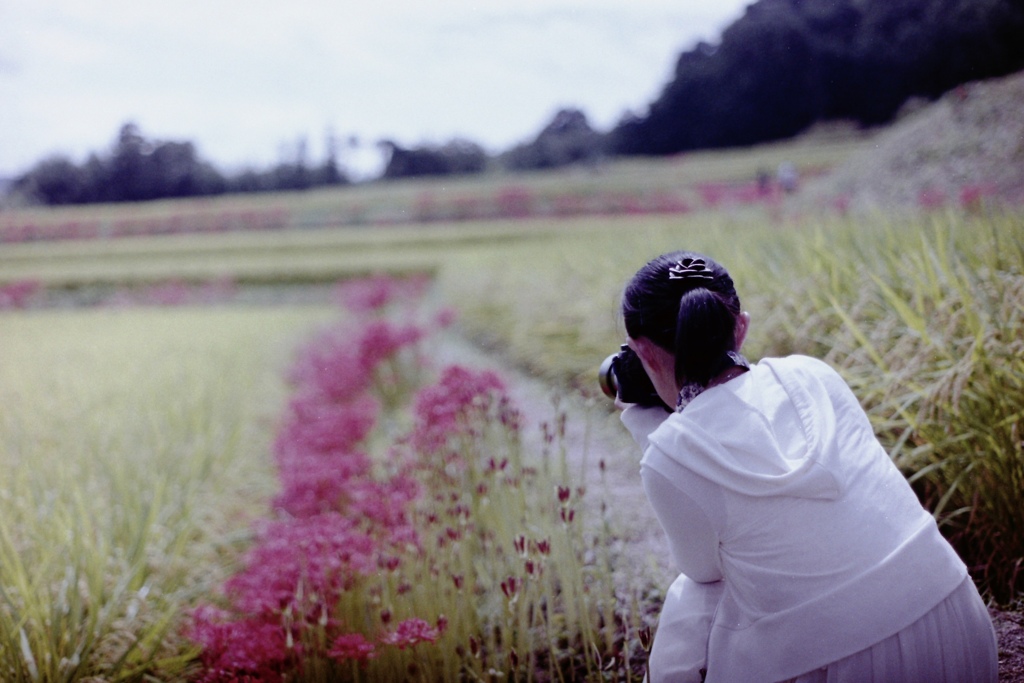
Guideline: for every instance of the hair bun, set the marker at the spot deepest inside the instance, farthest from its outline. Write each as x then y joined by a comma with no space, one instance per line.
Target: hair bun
690,269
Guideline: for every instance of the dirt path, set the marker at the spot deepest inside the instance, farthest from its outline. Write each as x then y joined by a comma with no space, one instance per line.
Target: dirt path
593,435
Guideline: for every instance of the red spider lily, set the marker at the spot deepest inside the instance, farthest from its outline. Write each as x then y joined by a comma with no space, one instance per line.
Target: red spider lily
170,293
444,410
510,586
346,518
301,565
329,367
931,199
353,647
381,340
317,426
313,483
383,505
445,318
389,562
366,295
247,649
373,294
17,294
645,638
410,633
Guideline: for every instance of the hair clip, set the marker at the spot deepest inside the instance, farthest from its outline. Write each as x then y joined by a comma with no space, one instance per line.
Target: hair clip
690,269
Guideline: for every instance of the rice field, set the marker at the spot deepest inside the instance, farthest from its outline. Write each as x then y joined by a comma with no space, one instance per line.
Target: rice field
155,454
923,316
134,452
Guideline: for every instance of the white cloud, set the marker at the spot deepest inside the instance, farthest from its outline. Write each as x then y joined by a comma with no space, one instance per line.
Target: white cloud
239,78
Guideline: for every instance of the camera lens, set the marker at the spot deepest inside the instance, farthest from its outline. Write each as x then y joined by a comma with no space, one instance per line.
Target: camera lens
606,377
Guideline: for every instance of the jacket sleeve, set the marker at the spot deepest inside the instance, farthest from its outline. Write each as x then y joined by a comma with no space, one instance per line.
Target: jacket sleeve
641,421
692,537
680,650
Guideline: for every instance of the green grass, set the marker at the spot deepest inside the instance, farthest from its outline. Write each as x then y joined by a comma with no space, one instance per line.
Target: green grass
402,200
253,257
134,447
135,443
923,317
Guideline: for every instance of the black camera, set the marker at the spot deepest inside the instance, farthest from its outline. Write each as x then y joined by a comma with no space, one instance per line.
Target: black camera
622,375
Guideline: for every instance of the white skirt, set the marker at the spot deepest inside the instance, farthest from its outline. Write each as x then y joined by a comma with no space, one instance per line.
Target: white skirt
954,643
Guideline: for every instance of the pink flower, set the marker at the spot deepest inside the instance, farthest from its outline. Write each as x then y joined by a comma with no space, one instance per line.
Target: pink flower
354,647
381,340
384,504
410,633
452,405
302,566
170,293
315,425
373,294
514,202
712,194
330,366
931,198
446,317
246,649
342,363
313,483
18,293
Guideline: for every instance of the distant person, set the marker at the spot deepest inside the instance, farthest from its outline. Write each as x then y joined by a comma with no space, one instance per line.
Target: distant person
764,182
804,554
788,177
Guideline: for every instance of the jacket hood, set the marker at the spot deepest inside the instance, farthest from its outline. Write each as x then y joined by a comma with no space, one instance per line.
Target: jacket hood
769,432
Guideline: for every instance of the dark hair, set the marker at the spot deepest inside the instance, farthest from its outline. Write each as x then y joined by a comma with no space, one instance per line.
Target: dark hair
692,318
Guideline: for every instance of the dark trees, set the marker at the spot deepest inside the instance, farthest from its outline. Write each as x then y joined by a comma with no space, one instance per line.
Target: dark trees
567,139
457,157
788,63
138,169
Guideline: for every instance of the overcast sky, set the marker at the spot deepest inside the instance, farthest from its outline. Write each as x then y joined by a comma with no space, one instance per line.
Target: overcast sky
246,80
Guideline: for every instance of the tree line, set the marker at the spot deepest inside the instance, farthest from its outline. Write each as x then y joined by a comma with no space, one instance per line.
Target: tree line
787,64
778,69
138,169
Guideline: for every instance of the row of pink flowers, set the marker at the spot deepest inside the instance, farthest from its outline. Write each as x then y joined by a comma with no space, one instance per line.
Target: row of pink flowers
512,201
340,517
362,296
15,229
19,294
24,294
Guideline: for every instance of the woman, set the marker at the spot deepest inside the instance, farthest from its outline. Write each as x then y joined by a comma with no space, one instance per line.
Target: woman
804,554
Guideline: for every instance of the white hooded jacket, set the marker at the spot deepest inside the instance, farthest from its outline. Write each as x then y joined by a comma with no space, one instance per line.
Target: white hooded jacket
775,485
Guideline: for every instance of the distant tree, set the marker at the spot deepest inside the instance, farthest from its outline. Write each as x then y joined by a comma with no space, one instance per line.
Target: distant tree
139,169
175,170
786,64
329,172
455,157
566,139
55,180
130,179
